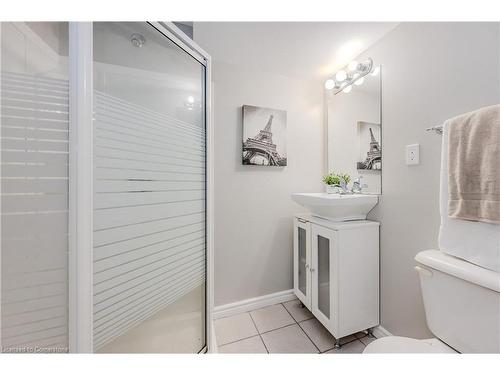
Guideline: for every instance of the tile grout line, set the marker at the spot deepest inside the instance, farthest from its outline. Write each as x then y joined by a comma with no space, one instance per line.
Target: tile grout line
233,342
259,333
263,343
312,317
319,351
244,338
257,329
260,336
355,338
305,333
366,335
295,321
274,329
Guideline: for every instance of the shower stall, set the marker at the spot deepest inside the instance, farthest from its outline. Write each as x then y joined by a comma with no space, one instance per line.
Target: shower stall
106,183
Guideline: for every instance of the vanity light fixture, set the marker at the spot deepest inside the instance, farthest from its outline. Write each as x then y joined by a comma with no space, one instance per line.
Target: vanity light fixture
347,90
330,84
353,73
359,81
352,66
341,76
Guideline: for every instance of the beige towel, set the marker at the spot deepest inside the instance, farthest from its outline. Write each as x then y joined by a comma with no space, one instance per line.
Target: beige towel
474,165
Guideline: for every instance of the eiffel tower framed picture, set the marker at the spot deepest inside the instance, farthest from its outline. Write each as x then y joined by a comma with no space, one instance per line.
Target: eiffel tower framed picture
264,136
370,151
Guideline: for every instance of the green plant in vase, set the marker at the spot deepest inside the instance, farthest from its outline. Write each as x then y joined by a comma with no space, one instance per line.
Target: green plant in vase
333,182
331,179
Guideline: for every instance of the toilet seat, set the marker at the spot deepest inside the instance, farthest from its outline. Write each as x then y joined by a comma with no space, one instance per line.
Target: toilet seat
398,344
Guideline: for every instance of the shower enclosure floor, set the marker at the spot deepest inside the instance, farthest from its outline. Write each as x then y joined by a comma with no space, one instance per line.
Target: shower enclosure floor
175,329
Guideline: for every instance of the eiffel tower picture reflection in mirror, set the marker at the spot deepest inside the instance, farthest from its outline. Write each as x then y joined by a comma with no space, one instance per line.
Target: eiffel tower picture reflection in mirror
369,146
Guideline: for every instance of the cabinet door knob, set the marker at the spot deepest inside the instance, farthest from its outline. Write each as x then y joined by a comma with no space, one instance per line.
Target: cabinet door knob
307,266
312,270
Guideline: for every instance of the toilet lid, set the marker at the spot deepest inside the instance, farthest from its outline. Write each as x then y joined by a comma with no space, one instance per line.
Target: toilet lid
398,344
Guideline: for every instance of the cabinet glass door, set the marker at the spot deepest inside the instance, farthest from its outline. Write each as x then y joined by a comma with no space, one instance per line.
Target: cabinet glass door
322,275
302,261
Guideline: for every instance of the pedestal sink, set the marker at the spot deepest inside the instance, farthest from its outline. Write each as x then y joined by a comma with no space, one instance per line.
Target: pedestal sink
337,207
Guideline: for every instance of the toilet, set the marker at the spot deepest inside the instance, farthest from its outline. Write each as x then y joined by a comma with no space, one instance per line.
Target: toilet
462,308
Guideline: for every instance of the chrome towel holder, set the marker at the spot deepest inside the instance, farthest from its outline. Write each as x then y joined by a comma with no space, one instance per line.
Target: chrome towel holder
438,129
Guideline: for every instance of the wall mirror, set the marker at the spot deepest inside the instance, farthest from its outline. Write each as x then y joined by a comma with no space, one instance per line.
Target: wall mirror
355,132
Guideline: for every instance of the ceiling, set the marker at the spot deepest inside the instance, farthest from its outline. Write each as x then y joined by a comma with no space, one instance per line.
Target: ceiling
311,50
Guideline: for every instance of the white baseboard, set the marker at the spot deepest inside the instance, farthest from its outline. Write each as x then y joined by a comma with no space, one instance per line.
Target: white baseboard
380,331
252,304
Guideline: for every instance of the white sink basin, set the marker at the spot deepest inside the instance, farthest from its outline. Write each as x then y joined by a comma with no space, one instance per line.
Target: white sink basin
337,207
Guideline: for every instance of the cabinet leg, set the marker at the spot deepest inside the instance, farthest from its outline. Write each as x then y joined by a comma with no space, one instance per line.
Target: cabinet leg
336,346
302,305
369,332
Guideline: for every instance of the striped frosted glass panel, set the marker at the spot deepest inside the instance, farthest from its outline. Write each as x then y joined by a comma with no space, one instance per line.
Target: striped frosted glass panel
34,212
149,213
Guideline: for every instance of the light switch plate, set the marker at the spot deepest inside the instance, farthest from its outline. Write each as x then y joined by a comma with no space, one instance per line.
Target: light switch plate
413,154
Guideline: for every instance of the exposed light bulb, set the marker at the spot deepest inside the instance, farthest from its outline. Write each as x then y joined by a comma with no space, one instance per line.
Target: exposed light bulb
347,90
341,76
359,81
329,84
190,99
353,65
376,71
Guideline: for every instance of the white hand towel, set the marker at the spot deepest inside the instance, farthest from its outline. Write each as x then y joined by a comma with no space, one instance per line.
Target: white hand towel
473,241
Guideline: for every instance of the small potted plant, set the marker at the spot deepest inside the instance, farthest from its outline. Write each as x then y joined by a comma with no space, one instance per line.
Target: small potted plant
332,183
336,183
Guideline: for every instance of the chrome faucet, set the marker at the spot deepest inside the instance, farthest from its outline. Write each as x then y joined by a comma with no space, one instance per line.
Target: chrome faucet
357,188
343,187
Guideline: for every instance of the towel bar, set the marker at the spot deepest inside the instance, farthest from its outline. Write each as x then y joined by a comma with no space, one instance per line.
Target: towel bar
438,129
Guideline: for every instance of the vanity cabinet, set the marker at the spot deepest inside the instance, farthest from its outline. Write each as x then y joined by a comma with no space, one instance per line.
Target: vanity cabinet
336,272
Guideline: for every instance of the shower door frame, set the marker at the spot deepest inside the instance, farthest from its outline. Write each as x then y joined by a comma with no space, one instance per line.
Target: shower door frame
80,267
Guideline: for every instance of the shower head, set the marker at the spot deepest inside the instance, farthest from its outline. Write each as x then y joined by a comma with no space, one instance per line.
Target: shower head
137,40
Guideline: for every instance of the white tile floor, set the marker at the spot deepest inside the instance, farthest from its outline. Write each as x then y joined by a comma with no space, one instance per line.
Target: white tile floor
281,328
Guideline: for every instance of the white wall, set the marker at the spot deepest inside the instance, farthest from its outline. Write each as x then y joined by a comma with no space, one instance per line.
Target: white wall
253,208
431,72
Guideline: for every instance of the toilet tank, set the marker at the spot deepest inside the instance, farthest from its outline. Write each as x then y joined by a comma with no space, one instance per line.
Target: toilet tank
462,302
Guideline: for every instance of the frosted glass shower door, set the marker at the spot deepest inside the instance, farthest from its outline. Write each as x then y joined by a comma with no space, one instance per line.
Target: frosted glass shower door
34,130
149,192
